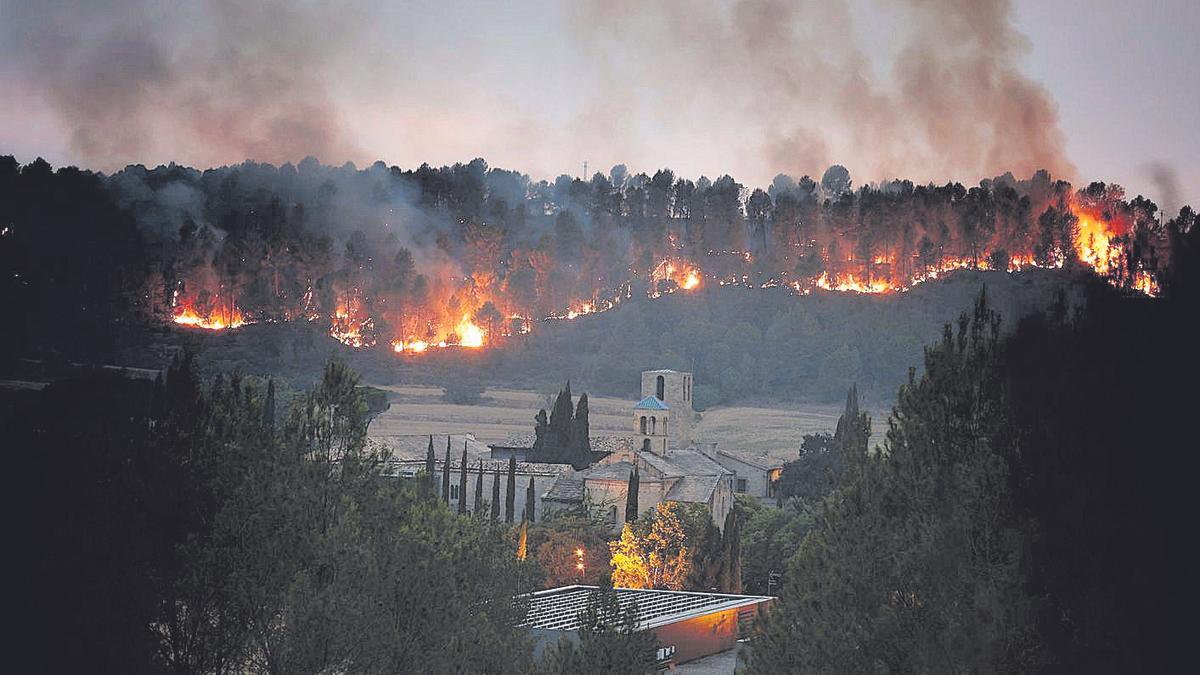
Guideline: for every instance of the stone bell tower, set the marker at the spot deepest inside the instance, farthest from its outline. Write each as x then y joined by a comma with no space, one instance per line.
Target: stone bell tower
673,390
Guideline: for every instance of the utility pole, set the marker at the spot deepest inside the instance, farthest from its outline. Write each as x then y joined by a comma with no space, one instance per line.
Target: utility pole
772,579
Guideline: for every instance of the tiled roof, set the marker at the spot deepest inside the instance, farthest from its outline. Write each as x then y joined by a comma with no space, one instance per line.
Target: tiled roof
683,463
651,403
693,489
757,461
614,471
568,487
414,446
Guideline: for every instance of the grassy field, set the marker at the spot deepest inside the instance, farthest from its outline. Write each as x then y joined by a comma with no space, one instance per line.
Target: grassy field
507,412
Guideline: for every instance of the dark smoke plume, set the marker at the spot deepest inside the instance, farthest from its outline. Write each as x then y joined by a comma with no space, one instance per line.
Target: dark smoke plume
141,80
955,104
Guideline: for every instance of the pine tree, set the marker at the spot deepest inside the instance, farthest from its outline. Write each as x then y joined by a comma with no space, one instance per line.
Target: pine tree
496,496
446,474
581,454
479,490
631,496
510,497
530,502
916,565
462,482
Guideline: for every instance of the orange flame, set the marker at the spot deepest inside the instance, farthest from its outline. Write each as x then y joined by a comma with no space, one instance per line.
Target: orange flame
222,315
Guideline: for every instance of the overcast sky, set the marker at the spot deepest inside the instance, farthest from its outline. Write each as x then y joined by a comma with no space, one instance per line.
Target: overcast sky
922,89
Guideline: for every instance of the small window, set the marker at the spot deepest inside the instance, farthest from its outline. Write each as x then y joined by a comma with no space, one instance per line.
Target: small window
643,425
741,485
453,491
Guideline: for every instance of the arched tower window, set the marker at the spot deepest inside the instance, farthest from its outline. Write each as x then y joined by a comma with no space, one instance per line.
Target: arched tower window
653,425
643,425
660,388
645,445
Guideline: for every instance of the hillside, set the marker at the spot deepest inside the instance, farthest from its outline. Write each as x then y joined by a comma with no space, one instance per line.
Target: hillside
746,346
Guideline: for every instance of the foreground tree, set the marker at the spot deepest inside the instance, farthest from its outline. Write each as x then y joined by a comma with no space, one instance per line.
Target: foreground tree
609,642
652,553
915,564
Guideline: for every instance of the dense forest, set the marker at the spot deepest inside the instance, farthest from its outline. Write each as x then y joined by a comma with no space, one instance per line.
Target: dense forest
1018,516
386,260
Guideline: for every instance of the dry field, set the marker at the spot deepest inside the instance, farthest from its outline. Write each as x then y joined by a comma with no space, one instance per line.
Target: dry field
504,413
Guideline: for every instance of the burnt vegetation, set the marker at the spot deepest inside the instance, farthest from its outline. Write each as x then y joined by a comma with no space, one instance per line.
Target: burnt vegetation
393,263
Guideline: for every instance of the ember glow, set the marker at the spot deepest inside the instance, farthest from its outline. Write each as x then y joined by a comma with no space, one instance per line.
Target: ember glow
207,312
487,282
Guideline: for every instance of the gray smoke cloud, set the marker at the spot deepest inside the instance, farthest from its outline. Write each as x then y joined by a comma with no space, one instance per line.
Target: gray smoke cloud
210,81
1166,182
748,87
794,78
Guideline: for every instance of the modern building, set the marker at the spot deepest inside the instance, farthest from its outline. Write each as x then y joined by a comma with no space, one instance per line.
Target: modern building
688,625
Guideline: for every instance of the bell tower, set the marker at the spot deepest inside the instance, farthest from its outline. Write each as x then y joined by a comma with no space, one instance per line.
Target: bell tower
651,425
674,389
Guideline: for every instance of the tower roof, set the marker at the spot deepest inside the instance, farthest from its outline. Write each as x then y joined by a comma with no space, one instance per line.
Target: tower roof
651,403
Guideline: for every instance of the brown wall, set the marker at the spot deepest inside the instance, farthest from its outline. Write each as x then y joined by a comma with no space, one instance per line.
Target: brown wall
701,636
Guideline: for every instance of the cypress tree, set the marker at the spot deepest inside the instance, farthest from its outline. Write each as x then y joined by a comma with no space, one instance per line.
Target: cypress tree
509,504
269,409
496,496
541,429
730,580
479,490
462,482
430,461
581,450
631,496
558,444
446,474
530,502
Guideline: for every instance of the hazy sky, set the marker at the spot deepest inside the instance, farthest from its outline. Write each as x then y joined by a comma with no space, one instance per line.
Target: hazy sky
923,89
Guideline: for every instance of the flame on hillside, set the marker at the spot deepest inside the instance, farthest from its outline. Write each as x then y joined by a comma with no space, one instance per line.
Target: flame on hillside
207,311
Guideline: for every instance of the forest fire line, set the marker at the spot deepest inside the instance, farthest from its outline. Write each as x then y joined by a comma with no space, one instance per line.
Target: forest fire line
477,311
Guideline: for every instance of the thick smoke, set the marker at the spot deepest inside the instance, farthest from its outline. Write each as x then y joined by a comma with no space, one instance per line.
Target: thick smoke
204,82
753,87
793,79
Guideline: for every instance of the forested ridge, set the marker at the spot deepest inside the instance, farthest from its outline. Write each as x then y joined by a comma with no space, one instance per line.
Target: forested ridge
385,259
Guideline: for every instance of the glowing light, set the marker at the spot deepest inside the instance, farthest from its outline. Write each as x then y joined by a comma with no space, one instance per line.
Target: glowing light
220,316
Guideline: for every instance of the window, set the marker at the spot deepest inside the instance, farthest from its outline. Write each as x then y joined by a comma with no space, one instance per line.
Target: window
653,425
741,485
643,425
453,491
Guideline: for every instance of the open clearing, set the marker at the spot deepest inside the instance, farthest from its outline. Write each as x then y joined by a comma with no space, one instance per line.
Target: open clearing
504,413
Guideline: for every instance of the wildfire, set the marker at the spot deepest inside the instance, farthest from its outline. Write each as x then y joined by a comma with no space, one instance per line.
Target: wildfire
853,284
219,315
478,310
351,324
1094,241
684,275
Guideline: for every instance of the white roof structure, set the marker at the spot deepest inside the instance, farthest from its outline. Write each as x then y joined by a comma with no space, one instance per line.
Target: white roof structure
559,608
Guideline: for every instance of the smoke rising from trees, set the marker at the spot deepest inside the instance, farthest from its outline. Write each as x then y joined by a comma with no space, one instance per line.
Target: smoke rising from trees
756,87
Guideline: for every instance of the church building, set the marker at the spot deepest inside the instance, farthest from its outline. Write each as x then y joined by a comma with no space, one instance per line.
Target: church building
670,468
